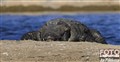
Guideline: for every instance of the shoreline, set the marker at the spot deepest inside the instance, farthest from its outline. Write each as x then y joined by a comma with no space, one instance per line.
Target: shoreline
58,12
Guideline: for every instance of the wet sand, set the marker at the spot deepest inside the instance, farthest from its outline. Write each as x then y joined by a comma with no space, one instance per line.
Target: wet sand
33,51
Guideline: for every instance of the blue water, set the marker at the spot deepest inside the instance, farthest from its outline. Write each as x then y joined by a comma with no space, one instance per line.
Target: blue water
12,27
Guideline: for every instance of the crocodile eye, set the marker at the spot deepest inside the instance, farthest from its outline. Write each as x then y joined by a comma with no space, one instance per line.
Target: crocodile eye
60,23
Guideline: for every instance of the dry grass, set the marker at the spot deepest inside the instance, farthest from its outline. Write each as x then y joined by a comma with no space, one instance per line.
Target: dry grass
34,8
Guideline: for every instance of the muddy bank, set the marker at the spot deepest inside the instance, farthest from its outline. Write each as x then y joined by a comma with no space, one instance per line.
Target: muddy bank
23,51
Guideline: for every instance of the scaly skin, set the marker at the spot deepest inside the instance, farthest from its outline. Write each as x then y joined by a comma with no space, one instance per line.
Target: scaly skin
34,35
65,30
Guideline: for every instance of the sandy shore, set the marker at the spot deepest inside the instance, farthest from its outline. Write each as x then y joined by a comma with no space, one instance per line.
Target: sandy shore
32,51
57,12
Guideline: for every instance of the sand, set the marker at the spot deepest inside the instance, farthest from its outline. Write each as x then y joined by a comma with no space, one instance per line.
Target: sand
58,3
33,51
57,12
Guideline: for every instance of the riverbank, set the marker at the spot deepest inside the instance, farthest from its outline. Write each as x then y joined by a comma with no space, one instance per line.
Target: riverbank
62,9
31,51
59,12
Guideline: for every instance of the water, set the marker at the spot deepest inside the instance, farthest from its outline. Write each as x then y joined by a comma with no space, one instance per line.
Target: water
12,27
